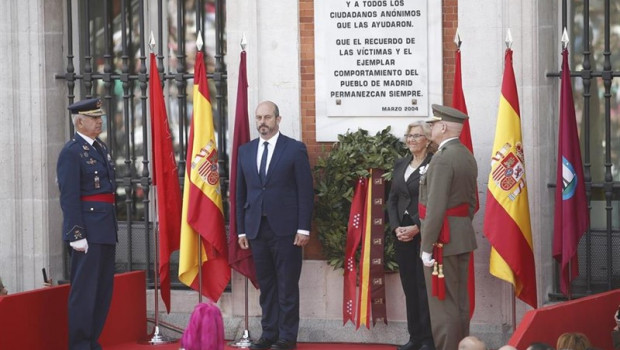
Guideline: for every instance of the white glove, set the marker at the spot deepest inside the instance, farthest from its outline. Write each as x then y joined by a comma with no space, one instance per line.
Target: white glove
427,259
81,245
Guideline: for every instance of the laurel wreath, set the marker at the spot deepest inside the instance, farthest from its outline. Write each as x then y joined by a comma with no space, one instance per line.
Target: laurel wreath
335,176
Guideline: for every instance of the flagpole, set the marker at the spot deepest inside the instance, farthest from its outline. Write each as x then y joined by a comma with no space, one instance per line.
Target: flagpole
199,245
245,341
156,338
568,291
199,44
514,308
508,43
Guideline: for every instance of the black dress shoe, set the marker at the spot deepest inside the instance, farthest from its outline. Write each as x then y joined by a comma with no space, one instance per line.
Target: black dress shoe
282,344
410,345
261,344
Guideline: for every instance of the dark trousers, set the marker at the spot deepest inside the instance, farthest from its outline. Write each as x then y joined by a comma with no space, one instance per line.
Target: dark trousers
412,278
92,283
278,268
450,317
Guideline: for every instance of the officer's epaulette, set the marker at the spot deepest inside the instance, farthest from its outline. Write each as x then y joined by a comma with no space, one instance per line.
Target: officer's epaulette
75,145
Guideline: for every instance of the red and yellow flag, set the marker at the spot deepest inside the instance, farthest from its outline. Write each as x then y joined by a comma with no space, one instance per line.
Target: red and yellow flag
363,301
507,215
370,225
202,226
355,229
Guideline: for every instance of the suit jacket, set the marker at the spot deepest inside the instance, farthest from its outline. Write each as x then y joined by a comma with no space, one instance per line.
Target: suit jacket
449,181
404,194
287,196
83,171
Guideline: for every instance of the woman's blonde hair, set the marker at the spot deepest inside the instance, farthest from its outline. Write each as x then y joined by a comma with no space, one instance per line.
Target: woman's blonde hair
426,129
573,341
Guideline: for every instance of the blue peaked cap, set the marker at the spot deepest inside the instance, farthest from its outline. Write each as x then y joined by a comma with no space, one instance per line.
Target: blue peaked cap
90,107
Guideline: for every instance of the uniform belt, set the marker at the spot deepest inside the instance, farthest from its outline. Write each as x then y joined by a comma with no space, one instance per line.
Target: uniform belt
438,283
461,210
101,197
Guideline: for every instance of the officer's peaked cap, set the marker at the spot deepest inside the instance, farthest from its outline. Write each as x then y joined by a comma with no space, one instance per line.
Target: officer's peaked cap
447,114
90,107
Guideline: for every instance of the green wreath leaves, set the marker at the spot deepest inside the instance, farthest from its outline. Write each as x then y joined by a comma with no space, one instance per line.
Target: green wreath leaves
335,175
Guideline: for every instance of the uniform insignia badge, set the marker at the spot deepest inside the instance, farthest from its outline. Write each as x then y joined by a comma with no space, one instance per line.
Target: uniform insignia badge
91,161
97,183
86,154
85,147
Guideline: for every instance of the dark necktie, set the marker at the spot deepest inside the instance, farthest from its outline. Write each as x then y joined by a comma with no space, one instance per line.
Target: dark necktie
97,146
262,171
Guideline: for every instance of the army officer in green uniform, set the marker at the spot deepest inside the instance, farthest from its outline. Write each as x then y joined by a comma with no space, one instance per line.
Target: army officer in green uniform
447,204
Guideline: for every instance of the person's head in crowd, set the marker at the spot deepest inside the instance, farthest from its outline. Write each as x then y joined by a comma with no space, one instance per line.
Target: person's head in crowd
539,346
507,347
572,341
267,119
3,290
472,343
419,136
445,123
87,117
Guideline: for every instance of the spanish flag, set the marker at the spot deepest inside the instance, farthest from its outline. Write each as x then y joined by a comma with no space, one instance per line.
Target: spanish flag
507,216
202,226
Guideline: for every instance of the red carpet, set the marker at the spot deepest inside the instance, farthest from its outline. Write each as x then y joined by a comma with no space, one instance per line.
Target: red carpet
300,346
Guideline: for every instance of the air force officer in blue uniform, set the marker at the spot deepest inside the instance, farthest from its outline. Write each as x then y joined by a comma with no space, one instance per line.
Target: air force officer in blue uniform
86,180
274,210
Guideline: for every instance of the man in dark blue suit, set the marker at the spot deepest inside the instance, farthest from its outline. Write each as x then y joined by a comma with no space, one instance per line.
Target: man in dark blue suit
86,180
274,210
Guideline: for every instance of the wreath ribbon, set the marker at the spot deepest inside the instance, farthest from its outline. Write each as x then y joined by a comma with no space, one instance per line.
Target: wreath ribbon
366,226
354,237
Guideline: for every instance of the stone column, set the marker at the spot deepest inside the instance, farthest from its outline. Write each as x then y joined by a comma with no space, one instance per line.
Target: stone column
34,128
534,26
